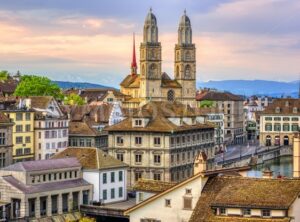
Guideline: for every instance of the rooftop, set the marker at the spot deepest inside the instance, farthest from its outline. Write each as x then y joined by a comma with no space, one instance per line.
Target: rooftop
91,158
44,187
152,185
217,96
41,165
233,191
283,106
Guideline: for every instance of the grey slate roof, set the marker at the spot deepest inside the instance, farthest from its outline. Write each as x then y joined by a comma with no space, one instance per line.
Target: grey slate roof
44,187
40,165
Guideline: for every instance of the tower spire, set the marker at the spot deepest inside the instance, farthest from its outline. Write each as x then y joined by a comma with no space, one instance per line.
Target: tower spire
133,62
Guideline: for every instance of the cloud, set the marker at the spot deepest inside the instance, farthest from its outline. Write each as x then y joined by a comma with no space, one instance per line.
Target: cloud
242,39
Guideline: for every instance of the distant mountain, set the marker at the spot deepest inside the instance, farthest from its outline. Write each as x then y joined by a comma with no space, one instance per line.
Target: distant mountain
254,87
79,85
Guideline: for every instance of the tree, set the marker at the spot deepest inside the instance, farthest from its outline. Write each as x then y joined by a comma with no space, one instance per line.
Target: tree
73,99
31,85
4,75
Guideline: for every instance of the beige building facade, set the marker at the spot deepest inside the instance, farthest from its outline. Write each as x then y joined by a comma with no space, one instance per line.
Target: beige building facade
279,122
154,85
160,142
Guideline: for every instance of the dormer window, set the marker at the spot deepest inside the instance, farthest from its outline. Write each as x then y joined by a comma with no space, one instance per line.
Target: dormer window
295,110
266,213
277,110
138,122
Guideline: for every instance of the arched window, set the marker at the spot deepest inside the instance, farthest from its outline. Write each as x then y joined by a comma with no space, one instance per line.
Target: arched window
171,95
143,70
187,71
153,34
188,55
285,140
152,71
177,72
177,56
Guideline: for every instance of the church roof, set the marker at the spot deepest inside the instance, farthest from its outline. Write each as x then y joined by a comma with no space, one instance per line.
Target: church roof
131,81
167,82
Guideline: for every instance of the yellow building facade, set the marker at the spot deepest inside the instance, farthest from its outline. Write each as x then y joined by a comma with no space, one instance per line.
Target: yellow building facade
23,134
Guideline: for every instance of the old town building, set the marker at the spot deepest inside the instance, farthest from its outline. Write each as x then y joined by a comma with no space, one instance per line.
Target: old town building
23,131
232,107
43,188
154,85
6,145
159,141
51,126
279,121
107,174
222,196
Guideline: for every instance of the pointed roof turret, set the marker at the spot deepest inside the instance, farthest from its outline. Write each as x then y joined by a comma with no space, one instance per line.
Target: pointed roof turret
133,62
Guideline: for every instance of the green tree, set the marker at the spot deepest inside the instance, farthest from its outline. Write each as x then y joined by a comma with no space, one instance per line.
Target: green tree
4,75
73,99
31,85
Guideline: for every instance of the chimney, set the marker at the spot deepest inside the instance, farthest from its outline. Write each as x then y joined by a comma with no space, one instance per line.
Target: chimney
267,173
28,103
200,163
296,155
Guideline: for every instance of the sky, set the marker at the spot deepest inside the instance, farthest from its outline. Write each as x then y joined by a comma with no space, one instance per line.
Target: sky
91,41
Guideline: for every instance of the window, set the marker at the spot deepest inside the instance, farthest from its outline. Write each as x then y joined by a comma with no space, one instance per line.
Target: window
112,193
112,177
19,152
104,195
27,150
223,211
157,176
277,127
167,202
28,116
19,128
104,178
188,191
27,139
138,140
120,176
47,134
81,142
268,127
247,212
2,138
295,119
138,158
267,118
137,175
286,127
2,160
19,139
120,140
277,118
295,127
19,116
171,96
88,142
157,159
120,191
266,213
286,119
138,122
120,156
157,141
27,128
187,203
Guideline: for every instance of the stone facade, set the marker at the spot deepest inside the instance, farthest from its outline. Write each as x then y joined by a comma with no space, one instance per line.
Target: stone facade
154,85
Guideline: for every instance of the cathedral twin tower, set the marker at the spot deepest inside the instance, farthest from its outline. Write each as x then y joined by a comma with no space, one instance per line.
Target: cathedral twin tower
154,85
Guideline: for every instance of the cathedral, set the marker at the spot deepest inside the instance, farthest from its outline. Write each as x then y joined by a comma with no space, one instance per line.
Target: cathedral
154,85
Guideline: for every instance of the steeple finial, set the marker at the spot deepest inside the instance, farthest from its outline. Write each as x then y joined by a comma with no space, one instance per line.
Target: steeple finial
133,62
150,9
184,11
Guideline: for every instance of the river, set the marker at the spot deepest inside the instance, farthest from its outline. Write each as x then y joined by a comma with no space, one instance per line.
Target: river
280,166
